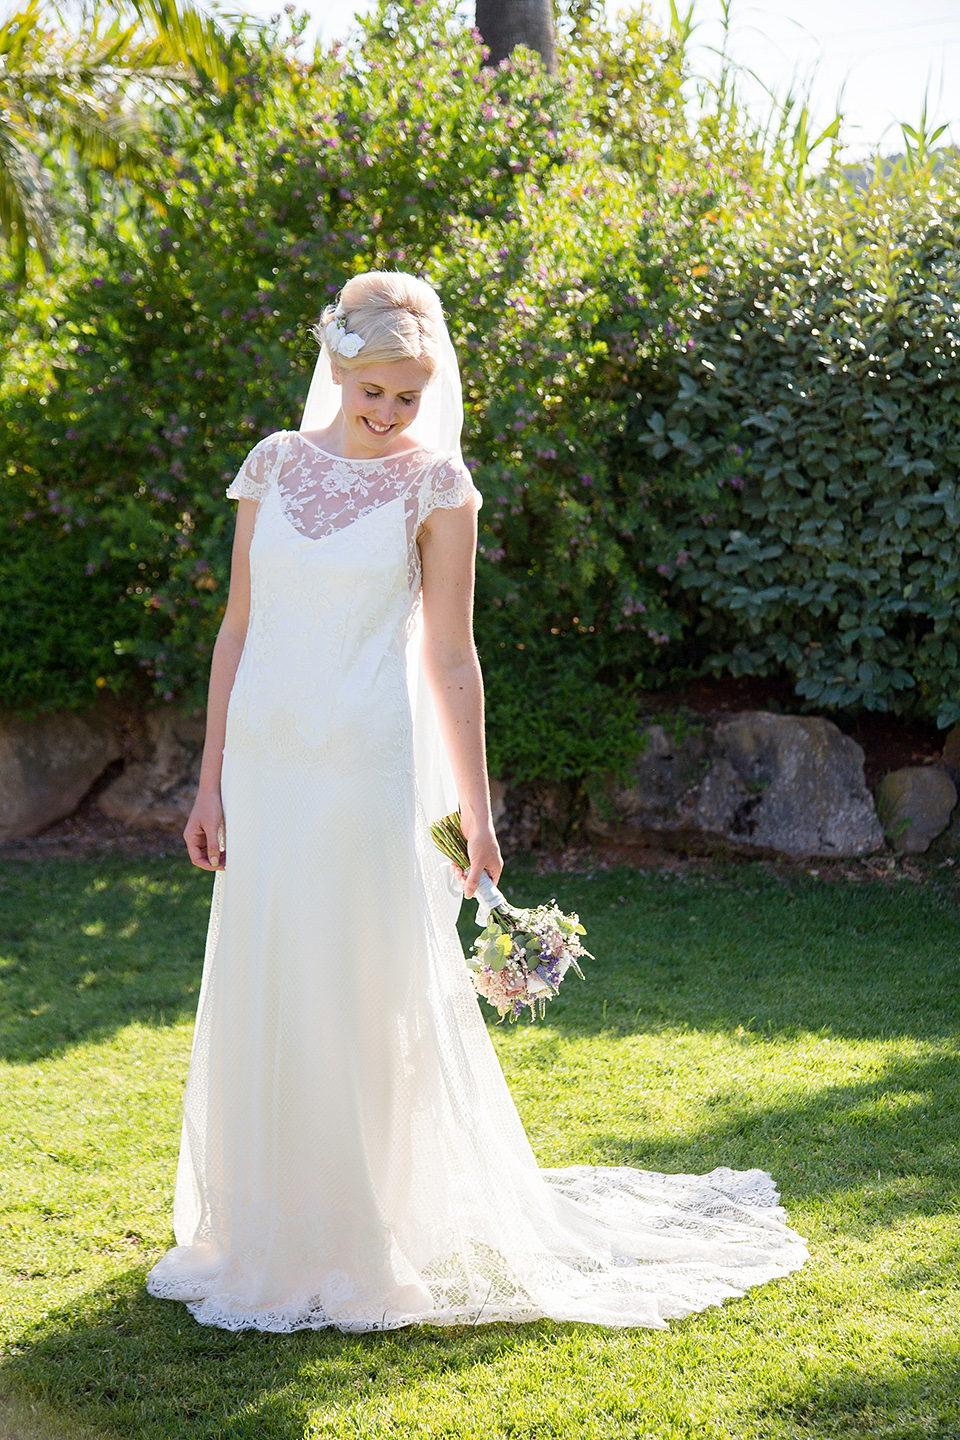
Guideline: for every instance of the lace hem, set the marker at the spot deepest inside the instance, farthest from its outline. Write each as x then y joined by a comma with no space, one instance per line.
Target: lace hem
685,1242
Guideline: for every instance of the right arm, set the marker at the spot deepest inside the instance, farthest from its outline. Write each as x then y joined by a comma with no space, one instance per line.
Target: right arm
202,832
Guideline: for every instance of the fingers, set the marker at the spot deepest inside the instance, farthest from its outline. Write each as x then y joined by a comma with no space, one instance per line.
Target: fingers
473,879
213,851
203,844
485,860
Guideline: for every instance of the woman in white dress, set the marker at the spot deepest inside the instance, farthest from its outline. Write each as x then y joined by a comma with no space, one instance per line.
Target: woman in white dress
350,1153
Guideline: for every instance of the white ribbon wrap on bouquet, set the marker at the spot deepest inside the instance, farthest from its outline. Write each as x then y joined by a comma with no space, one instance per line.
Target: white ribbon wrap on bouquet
488,898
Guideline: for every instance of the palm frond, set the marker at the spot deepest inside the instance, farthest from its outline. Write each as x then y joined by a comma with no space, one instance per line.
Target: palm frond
25,210
191,35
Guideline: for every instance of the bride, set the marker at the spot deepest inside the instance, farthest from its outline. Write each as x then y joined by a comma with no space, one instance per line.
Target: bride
350,1153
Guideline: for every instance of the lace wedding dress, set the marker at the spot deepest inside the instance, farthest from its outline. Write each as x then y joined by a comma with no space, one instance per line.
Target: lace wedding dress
351,1155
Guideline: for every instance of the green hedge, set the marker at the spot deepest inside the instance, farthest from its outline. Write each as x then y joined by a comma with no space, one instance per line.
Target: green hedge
833,364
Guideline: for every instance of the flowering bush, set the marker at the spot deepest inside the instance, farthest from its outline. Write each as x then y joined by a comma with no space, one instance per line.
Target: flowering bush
711,418
139,379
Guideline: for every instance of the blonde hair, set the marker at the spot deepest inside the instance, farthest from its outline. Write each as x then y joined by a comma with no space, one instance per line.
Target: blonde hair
397,316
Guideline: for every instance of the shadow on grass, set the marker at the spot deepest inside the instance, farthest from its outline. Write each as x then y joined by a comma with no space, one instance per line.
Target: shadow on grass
916,1396
86,947
903,1123
142,1367
128,1366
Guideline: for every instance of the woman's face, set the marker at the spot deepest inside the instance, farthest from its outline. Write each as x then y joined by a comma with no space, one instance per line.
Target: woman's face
379,402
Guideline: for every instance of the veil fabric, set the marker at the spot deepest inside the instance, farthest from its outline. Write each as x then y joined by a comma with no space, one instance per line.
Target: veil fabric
440,417
437,428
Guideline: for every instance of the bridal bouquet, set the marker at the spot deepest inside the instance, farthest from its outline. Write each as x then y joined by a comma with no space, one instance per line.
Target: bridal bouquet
520,956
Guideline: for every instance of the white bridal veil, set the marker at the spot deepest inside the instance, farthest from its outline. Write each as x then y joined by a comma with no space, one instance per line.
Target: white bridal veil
437,428
439,420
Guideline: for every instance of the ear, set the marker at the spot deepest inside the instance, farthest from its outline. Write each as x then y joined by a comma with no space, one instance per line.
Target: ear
336,372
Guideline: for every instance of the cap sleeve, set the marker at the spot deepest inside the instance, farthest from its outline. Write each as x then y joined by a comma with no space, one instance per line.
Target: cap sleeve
447,485
259,470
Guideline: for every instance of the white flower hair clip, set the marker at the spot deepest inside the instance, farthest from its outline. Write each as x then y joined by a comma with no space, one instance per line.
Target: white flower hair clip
340,341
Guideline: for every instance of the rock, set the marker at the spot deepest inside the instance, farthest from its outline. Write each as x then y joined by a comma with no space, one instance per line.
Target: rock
498,799
756,782
666,774
47,765
157,787
951,754
915,805
533,813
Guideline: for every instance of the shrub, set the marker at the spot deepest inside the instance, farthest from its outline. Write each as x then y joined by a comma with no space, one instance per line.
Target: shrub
826,372
712,422
139,380
180,342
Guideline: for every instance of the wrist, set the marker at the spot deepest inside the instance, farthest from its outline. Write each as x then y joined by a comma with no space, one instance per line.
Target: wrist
477,814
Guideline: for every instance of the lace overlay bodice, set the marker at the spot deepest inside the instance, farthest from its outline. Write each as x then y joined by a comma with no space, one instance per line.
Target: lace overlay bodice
334,583
320,493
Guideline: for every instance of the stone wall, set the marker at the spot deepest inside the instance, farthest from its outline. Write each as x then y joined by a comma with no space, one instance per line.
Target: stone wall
754,783
50,763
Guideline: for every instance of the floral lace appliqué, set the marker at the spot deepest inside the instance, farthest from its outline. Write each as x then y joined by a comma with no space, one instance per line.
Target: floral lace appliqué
322,493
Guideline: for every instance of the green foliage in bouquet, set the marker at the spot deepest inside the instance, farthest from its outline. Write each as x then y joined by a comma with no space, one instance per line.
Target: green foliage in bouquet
520,957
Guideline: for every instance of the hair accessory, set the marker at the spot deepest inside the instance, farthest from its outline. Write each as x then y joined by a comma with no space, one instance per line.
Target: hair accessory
342,341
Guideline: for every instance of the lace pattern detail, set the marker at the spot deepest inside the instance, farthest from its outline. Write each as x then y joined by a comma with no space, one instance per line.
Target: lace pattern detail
321,493
255,475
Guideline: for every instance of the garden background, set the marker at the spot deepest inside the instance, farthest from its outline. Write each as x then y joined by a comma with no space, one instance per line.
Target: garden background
710,374
710,378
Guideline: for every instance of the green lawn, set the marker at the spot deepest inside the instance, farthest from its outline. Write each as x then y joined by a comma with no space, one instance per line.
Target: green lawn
736,1016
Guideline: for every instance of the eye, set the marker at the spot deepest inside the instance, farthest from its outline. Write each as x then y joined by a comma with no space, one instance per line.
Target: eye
372,394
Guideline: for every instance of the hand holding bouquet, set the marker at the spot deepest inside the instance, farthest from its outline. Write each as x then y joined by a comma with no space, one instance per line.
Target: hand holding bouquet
520,956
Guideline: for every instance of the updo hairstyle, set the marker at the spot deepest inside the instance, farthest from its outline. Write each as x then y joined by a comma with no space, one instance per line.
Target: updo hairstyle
397,316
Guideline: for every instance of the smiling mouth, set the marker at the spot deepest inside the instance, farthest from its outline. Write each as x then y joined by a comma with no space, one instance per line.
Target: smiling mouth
377,429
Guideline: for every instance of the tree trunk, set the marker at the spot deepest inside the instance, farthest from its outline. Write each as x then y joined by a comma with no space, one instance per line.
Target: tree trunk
506,23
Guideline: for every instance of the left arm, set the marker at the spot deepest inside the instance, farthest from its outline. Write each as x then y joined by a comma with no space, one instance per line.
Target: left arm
448,545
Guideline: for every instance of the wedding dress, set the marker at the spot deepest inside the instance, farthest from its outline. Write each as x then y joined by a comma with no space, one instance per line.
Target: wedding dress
351,1155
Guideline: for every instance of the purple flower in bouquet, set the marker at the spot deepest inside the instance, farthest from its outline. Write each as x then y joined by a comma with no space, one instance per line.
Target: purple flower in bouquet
520,957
